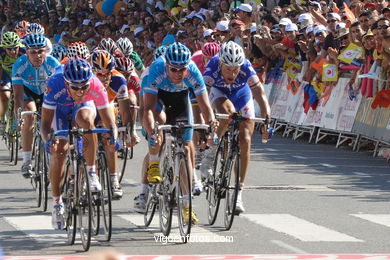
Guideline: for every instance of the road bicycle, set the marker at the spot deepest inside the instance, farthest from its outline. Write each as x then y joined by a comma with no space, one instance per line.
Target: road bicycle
175,188
79,202
224,182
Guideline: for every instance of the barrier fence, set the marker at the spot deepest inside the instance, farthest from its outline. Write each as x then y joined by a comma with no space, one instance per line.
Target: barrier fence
338,112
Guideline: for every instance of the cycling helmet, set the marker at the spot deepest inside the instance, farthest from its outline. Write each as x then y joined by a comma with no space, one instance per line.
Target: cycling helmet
124,64
35,28
78,50
21,28
77,71
109,45
231,54
35,41
159,51
125,45
178,54
10,39
102,61
59,52
210,49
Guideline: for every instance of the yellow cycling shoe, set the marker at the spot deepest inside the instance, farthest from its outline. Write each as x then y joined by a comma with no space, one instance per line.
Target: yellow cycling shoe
154,172
186,212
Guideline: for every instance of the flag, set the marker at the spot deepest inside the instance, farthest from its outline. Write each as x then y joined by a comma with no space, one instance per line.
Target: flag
348,13
351,53
329,72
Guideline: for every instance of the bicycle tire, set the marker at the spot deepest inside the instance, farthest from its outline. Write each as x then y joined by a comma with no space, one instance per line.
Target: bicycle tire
165,201
45,179
184,180
16,147
232,174
124,163
131,152
214,186
36,180
106,197
151,205
84,205
69,200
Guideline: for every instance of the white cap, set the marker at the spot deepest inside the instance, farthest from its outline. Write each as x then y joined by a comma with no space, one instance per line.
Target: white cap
245,7
207,33
291,27
223,26
318,29
284,21
340,26
253,27
335,16
303,17
124,27
199,16
86,22
309,29
99,24
65,19
138,30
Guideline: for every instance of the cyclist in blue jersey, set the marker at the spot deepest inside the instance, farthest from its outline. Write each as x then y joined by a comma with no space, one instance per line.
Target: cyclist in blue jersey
29,79
169,81
234,84
73,93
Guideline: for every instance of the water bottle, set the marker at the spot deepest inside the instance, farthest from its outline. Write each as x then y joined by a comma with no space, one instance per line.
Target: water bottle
153,140
215,138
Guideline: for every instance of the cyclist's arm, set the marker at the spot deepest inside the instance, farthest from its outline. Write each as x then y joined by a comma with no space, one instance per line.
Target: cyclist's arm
46,120
108,120
150,101
205,107
124,110
18,97
260,96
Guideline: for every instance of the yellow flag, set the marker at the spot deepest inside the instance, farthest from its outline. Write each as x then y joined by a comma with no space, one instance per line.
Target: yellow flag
350,53
330,72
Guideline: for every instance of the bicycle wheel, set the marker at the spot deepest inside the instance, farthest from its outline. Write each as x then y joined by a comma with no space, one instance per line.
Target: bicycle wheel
15,148
44,178
151,205
106,196
68,197
84,205
124,157
231,179
184,198
165,201
213,195
131,152
36,180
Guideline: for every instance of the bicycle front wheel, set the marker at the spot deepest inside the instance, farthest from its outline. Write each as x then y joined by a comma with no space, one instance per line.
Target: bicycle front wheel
69,201
84,205
15,147
151,205
165,202
232,177
106,196
184,198
36,180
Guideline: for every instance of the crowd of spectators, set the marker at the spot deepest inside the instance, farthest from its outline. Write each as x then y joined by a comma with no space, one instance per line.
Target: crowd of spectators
274,33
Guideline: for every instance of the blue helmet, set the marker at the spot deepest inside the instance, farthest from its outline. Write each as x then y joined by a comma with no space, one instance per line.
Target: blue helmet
77,71
35,28
160,51
59,52
178,54
35,41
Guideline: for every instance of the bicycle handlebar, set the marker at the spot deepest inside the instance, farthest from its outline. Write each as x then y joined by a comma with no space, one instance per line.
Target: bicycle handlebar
193,126
82,131
29,113
236,116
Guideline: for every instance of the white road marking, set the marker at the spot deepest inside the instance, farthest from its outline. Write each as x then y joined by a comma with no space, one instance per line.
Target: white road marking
271,150
198,234
381,219
300,157
328,165
299,228
361,173
289,247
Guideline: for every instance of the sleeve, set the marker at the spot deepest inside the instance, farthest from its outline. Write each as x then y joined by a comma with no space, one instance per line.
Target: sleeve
252,78
137,61
196,81
134,83
210,69
120,87
16,72
49,99
155,72
101,97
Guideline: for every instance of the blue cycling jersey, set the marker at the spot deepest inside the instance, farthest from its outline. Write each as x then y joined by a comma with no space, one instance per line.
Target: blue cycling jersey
213,76
158,79
35,79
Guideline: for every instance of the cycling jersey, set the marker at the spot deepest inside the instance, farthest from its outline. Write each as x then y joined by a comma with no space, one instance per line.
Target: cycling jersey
143,81
118,87
133,83
197,58
7,62
138,65
35,79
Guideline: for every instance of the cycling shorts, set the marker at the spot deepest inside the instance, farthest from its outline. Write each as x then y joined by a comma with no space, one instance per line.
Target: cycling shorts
5,80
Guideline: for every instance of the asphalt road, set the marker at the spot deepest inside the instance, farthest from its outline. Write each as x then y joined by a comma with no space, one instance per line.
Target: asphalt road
300,198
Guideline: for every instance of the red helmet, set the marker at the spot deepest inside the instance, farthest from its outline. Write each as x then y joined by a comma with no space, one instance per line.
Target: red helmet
210,49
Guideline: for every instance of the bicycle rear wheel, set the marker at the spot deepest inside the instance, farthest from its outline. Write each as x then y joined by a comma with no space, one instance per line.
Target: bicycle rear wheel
106,196
213,194
184,198
84,205
232,177
151,205
165,201
68,196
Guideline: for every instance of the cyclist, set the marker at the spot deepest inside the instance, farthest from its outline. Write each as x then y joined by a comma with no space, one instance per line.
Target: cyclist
10,51
77,50
140,199
114,82
125,45
21,28
73,92
234,83
169,81
29,79
59,52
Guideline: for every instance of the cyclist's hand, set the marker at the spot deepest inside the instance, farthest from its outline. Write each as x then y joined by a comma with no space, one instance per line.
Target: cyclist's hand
51,146
113,144
132,141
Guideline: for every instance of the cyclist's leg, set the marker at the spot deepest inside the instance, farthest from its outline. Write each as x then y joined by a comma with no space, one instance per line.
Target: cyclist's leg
5,83
27,137
133,102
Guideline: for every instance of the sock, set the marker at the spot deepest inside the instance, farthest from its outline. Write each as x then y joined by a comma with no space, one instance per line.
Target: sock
57,200
194,176
144,188
153,157
91,168
241,186
113,174
27,156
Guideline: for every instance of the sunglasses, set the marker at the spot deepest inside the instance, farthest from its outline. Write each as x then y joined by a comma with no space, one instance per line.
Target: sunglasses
343,37
383,27
40,51
352,6
332,21
77,87
172,69
12,48
101,74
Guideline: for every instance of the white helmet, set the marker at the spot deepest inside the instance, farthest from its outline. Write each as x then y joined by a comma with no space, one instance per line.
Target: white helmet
125,45
231,54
